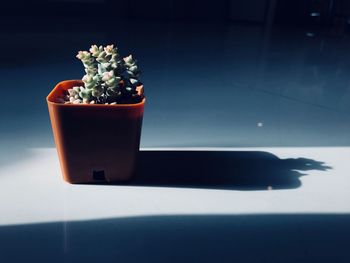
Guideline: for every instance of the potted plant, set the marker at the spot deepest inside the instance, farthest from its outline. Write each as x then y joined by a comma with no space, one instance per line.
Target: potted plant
97,121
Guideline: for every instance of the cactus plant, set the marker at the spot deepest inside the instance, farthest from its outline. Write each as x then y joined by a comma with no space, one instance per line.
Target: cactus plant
109,79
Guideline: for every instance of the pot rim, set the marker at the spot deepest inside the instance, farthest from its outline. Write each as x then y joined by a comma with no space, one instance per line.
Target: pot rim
58,85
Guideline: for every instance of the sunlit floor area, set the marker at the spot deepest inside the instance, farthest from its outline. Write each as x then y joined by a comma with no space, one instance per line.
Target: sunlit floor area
256,204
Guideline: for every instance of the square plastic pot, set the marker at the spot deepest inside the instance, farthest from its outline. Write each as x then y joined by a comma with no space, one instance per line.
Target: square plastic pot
96,143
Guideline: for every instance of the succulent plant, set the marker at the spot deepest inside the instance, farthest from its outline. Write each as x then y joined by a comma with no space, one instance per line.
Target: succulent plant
109,79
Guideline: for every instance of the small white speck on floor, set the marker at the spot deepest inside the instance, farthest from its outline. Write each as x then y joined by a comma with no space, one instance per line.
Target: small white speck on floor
259,124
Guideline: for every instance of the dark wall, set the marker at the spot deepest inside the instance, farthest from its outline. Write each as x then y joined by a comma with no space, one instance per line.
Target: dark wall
151,9
292,12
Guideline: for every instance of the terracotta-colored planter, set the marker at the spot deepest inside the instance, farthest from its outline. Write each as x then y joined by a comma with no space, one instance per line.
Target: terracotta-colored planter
95,142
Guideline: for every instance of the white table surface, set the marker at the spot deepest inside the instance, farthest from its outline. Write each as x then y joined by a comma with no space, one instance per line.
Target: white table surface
33,194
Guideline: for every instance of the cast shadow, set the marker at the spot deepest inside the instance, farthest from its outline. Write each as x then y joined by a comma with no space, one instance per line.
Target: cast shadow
241,170
287,238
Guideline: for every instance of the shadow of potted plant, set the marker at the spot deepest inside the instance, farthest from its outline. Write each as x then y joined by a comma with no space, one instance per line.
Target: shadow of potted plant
97,121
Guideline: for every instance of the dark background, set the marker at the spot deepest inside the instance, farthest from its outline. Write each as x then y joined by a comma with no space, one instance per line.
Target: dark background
216,73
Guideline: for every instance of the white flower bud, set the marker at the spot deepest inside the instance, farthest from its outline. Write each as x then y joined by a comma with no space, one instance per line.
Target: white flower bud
95,51
110,50
129,59
72,92
87,79
107,75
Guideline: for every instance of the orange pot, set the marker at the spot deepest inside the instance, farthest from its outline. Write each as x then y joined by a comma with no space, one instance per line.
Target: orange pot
95,142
